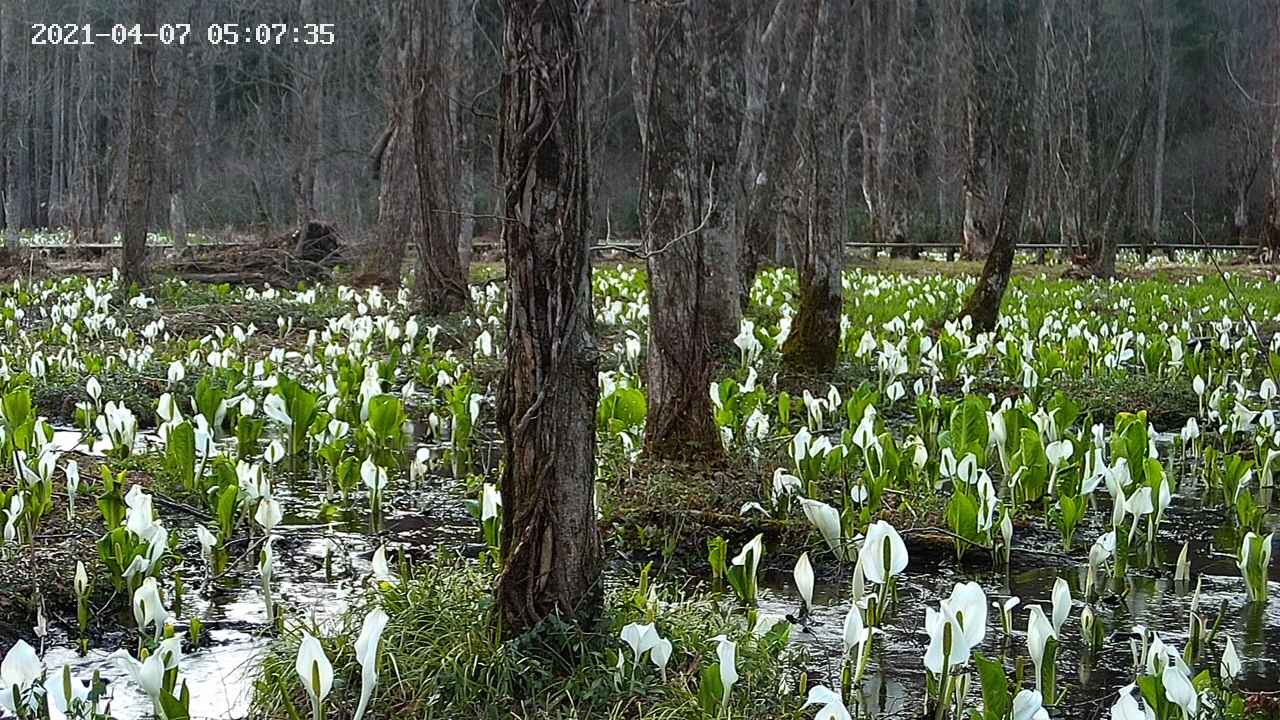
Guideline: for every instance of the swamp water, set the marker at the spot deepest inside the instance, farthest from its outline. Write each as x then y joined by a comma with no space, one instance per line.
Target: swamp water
431,514
319,564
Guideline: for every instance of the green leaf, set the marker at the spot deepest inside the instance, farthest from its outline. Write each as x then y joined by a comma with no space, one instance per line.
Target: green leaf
717,555
227,506
1152,691
180,454
626,406
172,707
962,517
710,690
969,428
300,404
17,406
386,419
209,400
995,688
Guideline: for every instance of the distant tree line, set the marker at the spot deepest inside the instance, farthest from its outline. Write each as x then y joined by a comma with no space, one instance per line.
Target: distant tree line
1140,113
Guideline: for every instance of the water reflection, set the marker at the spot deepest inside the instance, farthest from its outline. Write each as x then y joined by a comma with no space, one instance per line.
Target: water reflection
321,558
1146,595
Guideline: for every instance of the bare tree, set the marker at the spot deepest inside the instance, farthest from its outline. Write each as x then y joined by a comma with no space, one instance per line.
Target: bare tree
393,158
463,76
675,207
1161,120
1271,221
983,304
8,206
141,160
885,27
716,46
814,340
177,142
550,543
978,228
441,278
309,92
1108,124
775,47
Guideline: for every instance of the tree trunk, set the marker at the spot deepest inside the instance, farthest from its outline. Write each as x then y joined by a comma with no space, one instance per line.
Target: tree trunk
977,232
309,88
1162,121
13,125
814,341
463,44
1102,251
715,46
983,305
763,178
178,221
1271,215
178,148
883,127
550,542
399,219
679,422
7,80
141,161
748,166
1271,221
441,277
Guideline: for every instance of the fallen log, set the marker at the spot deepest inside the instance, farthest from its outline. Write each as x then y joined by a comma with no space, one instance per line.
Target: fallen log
284,260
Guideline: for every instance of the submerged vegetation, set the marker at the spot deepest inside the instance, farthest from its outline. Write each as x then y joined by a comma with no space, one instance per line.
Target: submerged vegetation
1070,515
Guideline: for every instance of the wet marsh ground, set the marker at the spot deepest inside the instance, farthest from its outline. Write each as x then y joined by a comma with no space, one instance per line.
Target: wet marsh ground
652,514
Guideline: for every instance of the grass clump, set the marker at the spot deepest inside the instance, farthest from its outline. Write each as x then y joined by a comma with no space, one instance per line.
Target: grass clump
441,657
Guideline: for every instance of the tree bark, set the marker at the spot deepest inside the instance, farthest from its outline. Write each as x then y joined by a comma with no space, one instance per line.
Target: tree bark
1271,216
884,26
399,219
550,542
441,277
717,45
814,341
760,218
983,304
14,124
178,149
977,230
1162,121
7,80
462,39
309,88
141,161
673,213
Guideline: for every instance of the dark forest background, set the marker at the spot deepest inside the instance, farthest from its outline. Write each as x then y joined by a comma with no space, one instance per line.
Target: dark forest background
1143,112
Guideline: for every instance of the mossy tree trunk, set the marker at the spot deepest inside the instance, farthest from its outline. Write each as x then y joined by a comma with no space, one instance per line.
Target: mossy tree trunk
140,171
814,341
673,198
550,543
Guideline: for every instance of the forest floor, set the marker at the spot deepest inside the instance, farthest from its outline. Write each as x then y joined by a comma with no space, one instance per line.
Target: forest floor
659,514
